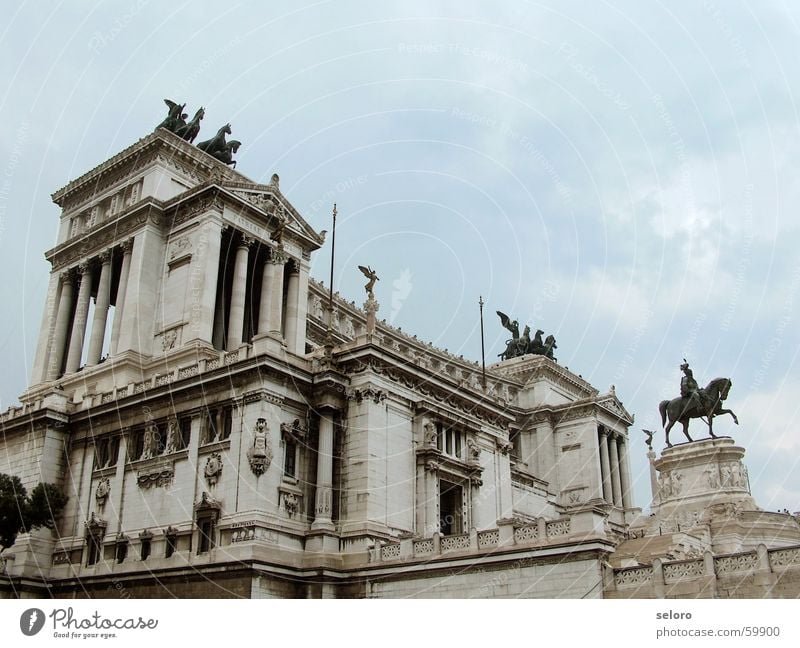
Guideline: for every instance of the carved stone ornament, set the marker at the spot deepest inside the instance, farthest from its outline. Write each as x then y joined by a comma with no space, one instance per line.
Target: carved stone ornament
169,339
159,474
295,431
213,469
260,455
504,446
431,434
291,503
375,395
95,523
473,450
102,491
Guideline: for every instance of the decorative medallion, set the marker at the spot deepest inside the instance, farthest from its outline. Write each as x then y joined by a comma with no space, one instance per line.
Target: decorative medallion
213,469
260,455
102,491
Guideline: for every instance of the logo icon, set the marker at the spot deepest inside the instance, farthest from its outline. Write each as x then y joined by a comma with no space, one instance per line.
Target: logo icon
31,621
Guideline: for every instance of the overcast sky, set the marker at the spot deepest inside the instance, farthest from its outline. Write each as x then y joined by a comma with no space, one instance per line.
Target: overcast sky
622,175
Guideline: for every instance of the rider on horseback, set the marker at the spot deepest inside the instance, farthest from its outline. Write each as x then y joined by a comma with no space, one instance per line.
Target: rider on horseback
690,388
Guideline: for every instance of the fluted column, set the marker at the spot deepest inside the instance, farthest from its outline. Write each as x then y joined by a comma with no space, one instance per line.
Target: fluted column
278,260
101,305
127,248
266,296
59,341
323,503
605,467
238,292
292,309
625,469
79,321
614,458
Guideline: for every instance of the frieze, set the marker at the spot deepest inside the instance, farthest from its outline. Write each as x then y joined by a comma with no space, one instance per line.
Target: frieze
104,234
80,200
199,204
158,474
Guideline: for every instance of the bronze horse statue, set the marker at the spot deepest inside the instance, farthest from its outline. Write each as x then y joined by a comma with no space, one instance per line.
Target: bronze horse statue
189,131
682,409
216,144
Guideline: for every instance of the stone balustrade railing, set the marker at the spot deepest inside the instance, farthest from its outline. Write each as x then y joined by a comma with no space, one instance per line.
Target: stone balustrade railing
540,532
662,575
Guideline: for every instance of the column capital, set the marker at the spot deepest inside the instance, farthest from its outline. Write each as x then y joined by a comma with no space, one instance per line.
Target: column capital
65,276
246,241
82,268
127,246
105,256
277,256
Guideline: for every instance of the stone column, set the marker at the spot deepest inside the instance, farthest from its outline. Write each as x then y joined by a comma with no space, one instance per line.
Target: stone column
266,296
238,292
79,321
323,503
45,342
101,304
606,467
292,307
278,259
626,473
127,247
141,292
616,490
203,277
59,342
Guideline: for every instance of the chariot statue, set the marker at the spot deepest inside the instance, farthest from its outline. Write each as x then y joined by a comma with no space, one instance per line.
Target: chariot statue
520,345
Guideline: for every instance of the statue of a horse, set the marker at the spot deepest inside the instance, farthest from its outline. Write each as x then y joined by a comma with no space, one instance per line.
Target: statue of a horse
226,154
189,131
217,143
682,409
549,345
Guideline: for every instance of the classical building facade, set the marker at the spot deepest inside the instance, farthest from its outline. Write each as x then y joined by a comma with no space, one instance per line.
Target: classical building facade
221,429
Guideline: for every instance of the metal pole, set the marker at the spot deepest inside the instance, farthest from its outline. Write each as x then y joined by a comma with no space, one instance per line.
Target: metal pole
333,255
483,351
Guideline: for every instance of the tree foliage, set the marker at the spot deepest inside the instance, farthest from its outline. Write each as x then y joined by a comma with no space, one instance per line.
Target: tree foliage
20,512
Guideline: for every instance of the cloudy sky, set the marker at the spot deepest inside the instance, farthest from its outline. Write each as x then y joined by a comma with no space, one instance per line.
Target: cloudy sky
618,174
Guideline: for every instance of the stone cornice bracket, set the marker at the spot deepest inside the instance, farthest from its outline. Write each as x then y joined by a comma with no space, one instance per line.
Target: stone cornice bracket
95,523
504,446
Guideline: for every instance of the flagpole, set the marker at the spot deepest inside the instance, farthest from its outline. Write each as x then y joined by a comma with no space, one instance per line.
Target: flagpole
333,256
483,351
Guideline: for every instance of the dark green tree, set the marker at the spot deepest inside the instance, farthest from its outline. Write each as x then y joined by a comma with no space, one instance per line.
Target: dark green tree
20,512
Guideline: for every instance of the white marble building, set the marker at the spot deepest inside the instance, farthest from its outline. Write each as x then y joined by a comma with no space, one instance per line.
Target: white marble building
220,433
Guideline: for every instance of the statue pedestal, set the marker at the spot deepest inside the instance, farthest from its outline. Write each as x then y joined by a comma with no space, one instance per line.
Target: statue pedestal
702,502
371,307
694,476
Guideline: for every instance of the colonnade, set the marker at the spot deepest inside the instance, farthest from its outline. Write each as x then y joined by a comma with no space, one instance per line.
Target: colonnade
614,468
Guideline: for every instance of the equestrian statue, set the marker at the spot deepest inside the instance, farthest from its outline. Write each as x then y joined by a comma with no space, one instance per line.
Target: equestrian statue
216,147
695,402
